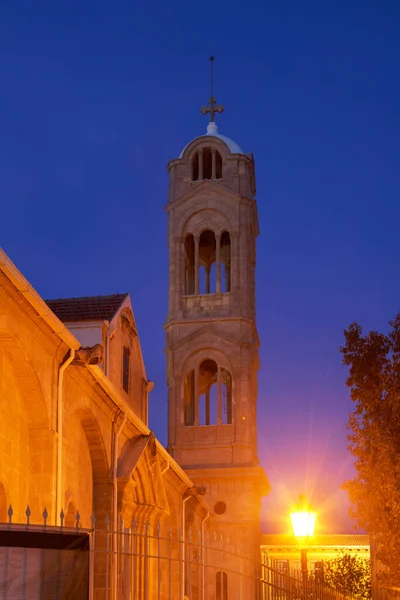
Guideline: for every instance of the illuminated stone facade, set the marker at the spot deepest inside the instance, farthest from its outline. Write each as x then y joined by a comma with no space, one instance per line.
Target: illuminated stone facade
212,340
69,438
74,391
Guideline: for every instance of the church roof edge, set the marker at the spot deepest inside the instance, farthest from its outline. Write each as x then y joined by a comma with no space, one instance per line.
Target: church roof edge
87,308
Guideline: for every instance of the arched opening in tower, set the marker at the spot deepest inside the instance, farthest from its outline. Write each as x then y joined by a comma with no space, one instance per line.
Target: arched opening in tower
208,392
225,261
195,167
208,395
189,393
218,165
189,265
207,163
207,255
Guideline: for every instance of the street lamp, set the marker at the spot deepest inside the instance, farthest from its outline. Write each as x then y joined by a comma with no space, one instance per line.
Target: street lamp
303,523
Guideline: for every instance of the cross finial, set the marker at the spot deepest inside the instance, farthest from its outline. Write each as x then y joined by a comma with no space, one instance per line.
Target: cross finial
213,108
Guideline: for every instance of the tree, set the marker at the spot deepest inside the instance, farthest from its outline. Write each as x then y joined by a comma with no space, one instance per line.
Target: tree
349,574
374,439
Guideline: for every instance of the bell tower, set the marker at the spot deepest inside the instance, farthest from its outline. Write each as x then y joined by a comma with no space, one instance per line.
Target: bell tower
212,340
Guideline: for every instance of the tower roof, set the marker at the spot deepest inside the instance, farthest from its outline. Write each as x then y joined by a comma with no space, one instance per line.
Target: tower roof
212,131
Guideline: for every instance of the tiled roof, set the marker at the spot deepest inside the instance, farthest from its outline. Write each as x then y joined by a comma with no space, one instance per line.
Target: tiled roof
88,308
272,539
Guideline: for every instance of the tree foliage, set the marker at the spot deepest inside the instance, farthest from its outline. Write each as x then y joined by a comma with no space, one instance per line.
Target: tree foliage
349,574
374,438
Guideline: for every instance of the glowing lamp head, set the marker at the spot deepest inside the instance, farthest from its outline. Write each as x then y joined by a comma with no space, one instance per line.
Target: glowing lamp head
303,521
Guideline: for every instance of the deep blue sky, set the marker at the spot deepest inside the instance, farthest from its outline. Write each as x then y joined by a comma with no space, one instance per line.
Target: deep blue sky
97,97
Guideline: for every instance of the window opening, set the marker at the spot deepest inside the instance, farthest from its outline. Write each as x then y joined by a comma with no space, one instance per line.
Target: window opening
225,260
195,167
202,280
213,279
207,255
125,368
218,165
189,399
221,585
208,392
207,163
189,265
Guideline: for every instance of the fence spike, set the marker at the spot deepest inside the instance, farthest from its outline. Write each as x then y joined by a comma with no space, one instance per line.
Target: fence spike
93,520
107,522
28,515
78,518
45,514
62,517
10,513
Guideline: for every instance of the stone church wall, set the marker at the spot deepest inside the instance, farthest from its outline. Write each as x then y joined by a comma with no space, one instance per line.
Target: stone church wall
150,484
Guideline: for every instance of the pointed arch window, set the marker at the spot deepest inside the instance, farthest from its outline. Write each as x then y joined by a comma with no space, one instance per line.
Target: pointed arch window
70,516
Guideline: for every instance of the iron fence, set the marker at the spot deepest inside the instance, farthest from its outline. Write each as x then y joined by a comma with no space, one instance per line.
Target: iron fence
138,562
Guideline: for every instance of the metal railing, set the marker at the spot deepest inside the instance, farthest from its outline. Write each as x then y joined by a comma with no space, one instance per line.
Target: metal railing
139,562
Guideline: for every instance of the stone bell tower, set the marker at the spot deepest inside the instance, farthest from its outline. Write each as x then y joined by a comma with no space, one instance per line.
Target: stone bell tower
212,340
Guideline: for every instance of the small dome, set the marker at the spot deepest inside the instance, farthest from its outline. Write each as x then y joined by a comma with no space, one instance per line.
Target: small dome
212,131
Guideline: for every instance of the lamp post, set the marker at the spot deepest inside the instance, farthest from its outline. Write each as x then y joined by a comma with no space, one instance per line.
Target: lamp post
303,523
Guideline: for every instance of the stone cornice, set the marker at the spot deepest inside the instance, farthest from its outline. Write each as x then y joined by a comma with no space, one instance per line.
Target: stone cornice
207,320
227,472
205,184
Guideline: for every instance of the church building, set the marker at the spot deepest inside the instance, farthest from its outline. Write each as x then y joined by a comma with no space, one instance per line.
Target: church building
75,443
212,339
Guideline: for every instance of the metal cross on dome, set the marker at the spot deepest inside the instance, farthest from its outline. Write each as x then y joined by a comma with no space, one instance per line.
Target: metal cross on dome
213,108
